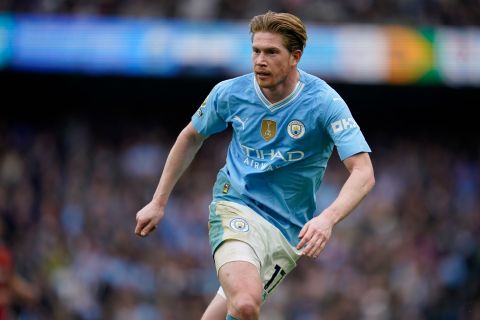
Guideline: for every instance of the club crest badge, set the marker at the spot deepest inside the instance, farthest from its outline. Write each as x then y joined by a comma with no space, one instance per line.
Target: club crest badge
239,225
296,129
269,129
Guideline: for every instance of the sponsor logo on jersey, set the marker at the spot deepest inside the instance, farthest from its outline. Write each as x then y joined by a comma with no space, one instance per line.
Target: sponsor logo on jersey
264,158
343,124
239,224
296,129
269,129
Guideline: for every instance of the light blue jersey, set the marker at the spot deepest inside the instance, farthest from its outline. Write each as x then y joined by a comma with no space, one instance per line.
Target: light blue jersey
279,152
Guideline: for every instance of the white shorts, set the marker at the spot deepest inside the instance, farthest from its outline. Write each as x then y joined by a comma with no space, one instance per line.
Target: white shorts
246,236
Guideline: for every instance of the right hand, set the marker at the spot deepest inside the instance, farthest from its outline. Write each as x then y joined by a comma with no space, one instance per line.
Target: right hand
148,218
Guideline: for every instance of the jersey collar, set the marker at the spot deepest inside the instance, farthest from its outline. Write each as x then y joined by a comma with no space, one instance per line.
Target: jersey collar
282,103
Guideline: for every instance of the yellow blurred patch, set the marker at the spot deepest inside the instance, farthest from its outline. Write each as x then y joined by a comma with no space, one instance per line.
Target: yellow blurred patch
411,55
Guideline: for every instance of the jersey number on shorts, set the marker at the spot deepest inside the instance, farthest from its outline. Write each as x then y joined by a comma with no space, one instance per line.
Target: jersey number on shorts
278,270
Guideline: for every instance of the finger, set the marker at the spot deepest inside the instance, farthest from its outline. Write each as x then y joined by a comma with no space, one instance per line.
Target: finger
311,247
303,238
307,249
319,249
302,243
139,227
303,231
147,229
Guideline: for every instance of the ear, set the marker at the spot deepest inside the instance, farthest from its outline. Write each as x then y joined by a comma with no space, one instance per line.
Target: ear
295,57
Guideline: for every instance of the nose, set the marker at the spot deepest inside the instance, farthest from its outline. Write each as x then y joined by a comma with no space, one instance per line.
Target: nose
260,59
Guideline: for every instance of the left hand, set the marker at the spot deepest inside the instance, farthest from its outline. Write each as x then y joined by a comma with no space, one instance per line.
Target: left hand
315,235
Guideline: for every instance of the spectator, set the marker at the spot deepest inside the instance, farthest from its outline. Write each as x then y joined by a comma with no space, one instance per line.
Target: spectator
68,200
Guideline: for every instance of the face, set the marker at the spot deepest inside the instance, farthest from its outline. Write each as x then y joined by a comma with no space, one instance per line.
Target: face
272,62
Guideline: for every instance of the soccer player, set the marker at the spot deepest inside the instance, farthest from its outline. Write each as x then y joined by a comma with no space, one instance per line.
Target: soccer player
286,124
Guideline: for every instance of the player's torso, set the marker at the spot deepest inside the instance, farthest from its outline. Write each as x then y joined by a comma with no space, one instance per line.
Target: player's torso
270,136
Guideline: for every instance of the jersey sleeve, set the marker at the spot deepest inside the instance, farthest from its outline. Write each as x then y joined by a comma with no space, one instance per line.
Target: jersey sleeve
344,130
210,116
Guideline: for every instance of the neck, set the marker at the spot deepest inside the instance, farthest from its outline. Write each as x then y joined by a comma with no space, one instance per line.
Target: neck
283,89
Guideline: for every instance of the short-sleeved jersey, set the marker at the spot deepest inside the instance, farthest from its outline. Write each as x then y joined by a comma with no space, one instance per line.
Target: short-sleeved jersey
279,151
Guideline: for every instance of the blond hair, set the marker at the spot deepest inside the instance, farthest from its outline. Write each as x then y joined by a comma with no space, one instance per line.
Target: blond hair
289,26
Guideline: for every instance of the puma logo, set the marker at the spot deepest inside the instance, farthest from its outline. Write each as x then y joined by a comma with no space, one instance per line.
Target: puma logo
240,121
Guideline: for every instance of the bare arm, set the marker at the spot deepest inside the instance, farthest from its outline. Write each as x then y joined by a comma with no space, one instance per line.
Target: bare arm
181,155
361,180
357,186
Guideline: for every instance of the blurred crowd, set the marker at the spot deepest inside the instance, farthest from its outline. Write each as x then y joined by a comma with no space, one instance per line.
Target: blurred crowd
410,12
69,195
